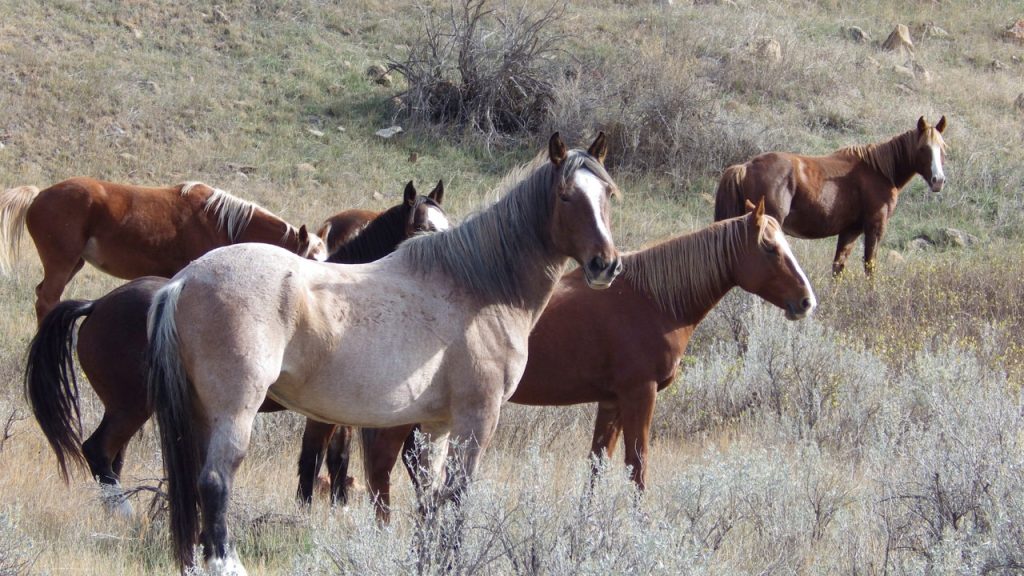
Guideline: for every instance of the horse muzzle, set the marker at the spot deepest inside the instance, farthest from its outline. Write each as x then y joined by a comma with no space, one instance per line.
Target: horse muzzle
798,310
600,272
936,184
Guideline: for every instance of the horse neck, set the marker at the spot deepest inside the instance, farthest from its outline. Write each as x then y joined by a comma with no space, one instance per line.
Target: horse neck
686,276
374,241
267,228
893,159
503,255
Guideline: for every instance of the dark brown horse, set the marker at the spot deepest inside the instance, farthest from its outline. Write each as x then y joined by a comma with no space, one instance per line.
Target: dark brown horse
619,347
850,192
111,345
130,231
345,225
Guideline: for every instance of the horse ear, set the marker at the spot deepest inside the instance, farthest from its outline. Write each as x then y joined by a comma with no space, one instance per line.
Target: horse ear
941,125
749,205
410,194
557,150
759,211
922,124
303,234
437,194
599,149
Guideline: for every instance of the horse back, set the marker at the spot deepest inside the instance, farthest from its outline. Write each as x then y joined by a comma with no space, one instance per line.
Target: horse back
127,231
343,226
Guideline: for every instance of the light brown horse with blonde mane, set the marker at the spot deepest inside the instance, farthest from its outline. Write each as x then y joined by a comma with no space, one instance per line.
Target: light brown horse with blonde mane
850,192
131,231
620,347
435,333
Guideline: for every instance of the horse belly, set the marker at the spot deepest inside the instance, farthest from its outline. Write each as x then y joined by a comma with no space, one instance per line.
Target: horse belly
381,378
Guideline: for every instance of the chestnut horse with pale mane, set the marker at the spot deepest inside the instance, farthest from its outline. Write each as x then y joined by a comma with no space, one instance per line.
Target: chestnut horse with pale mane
435,333
131,231
850,192
621,346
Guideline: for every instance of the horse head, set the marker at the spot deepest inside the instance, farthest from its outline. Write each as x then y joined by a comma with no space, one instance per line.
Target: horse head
311,246
766,266
580,219
424,213
931,153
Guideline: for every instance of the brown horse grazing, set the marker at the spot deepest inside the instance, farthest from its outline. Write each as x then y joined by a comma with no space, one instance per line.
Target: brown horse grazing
619,347
130,231
850,192
250,321
345,225
111,346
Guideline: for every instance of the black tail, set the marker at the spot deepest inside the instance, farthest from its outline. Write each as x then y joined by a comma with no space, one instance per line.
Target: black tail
170,395
51,386
729,200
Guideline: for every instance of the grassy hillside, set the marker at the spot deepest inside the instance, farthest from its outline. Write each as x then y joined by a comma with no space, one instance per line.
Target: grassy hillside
881,436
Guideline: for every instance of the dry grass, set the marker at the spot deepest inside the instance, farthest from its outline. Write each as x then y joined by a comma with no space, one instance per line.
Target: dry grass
882,436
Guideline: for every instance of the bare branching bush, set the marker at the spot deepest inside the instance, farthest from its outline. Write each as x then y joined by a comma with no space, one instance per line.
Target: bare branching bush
483,66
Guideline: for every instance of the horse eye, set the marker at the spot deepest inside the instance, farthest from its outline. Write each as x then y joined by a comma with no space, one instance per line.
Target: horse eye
771,249
564,197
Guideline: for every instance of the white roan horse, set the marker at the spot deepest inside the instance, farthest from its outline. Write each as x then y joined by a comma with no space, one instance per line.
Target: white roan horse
435,333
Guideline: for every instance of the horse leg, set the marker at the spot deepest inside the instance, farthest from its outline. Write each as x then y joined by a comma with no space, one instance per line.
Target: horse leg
314,443
606,435
228,443
104,451
636,429
872,238
844,246
381,447
338,453
57,273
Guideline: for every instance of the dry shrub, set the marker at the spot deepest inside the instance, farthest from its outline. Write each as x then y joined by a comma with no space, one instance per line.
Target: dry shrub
483,67
16,549
660,119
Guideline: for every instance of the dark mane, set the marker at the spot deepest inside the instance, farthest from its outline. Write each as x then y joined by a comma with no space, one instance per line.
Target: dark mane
487,252
377,239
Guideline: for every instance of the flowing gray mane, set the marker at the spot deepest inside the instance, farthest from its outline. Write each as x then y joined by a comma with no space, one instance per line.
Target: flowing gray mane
488,252
233,213
692,270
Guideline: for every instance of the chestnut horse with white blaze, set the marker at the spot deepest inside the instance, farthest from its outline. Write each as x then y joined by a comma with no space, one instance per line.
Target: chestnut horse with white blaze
620,347
250,321
850,192
131,231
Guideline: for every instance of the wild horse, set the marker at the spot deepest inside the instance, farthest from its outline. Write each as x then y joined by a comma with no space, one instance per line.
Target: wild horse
131,231
850,192
435,333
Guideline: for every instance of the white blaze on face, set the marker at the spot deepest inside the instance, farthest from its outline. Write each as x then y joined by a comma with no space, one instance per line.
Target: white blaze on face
787,252
593,189
436,219
937,174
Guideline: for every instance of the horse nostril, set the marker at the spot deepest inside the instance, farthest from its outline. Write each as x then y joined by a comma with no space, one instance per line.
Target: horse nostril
598,264
806,304
618,267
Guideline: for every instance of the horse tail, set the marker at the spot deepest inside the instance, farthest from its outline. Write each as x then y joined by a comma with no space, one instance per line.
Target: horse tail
14,205
729,196
51,386
170,395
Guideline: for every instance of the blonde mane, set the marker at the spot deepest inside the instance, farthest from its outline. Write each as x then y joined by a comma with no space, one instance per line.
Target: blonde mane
692,270
233,214
886,156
